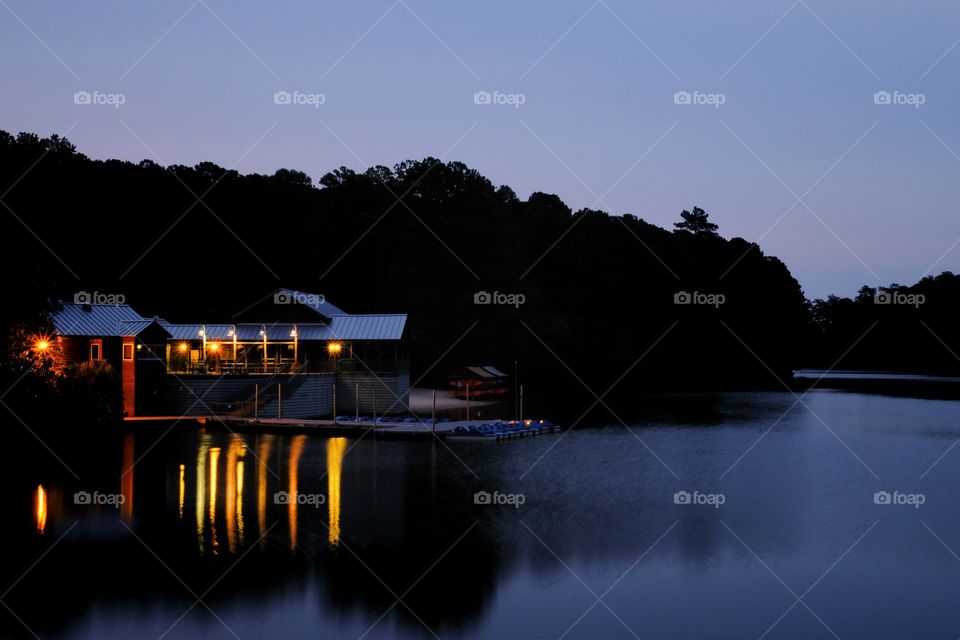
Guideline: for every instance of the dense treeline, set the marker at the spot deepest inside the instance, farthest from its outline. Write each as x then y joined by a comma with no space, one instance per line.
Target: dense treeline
599,291
895,328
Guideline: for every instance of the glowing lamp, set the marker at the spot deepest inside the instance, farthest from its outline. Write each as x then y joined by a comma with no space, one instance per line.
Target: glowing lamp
334,348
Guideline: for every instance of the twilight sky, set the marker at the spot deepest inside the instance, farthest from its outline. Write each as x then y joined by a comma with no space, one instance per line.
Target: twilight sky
798,156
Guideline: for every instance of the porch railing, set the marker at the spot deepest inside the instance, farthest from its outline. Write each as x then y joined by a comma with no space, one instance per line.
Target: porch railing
274,367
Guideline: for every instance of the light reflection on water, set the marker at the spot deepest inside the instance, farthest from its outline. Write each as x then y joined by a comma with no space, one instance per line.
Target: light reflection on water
597,498
41,508
335,451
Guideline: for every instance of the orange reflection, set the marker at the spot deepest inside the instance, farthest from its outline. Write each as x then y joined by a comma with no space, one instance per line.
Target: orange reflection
296,449
263,455
41,500
336,447
126,478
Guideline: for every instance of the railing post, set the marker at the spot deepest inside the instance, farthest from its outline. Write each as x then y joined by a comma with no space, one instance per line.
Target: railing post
358,402
334,403
279,400
433,420
521,402
256,402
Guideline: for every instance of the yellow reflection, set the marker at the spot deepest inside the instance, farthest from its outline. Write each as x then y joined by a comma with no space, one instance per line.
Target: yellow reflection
182,492
336,447
126,478
201,484
263,455
240,500
233,500
296,449
214,462
230,497
41,500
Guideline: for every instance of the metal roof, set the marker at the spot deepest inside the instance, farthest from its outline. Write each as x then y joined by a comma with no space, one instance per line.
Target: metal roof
134,327
362,327
368,327
71,319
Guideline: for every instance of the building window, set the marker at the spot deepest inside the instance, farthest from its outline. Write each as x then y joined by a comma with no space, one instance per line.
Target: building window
128,352
96,347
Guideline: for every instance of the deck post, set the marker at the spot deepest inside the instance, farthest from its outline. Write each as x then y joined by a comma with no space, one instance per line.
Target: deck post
468,401
256,402
516,382
334,403
279,399
433,419
521,402
374,407
358,402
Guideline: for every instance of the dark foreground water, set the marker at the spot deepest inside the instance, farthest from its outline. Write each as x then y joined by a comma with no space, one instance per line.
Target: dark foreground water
779,533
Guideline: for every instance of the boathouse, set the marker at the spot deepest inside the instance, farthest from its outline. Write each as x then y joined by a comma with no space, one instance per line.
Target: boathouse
292,355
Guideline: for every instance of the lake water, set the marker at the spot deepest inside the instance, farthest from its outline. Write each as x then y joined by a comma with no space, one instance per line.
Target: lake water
587,534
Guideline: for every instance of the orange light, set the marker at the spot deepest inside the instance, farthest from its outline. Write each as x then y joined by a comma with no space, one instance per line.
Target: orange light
213,346
182,347
43,345
41,509
334,348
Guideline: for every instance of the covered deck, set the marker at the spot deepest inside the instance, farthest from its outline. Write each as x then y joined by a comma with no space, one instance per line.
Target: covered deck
347,343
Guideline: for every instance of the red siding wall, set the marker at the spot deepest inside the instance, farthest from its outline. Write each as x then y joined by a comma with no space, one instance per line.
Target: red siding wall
129,378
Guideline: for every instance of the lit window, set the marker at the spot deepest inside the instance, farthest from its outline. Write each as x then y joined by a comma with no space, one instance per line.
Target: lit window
128,352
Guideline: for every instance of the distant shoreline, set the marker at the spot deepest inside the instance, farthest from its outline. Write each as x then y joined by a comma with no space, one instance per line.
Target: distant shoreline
882,382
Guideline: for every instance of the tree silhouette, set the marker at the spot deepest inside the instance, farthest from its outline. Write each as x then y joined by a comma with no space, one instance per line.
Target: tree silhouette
696,222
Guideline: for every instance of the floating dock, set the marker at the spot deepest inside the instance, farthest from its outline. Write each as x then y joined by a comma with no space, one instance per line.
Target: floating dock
409,428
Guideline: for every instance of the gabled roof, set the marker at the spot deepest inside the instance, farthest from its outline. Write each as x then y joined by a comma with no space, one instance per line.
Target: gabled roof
136,327
71,319
313,301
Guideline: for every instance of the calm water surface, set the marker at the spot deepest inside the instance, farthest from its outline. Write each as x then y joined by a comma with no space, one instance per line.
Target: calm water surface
388,541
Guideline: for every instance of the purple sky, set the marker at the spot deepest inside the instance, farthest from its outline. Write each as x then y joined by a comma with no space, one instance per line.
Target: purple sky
598,124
